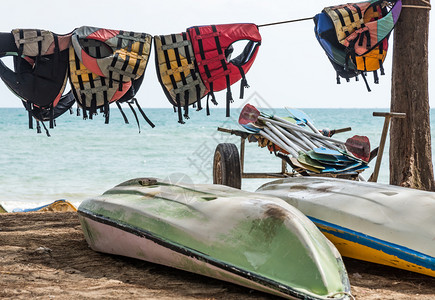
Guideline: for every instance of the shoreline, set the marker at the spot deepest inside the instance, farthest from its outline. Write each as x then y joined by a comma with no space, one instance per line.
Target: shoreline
44,255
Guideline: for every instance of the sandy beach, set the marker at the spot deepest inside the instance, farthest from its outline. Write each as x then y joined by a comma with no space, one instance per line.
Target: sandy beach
45,256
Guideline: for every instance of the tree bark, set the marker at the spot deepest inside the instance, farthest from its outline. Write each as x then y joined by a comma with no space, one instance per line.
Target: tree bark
410,138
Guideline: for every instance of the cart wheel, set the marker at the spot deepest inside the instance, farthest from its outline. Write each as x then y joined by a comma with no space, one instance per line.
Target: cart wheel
226,166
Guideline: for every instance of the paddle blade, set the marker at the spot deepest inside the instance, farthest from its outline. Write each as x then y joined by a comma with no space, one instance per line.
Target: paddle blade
299,115
251,127
359,146
249,114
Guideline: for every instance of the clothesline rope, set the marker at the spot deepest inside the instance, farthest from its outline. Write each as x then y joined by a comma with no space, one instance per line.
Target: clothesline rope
283,22
310,18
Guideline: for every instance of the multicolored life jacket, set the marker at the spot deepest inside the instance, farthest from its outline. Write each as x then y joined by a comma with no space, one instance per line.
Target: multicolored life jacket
40,71
101,57
336,26
197,63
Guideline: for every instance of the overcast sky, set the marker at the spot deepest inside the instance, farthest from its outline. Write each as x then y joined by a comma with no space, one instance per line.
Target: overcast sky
291,68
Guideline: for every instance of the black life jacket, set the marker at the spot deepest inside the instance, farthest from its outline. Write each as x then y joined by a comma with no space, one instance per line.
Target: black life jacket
40,71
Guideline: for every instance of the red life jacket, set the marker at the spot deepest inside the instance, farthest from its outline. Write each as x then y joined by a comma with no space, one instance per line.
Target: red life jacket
212,47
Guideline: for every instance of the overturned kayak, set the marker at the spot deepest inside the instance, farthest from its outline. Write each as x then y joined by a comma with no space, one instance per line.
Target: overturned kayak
253,240
379,223
56,206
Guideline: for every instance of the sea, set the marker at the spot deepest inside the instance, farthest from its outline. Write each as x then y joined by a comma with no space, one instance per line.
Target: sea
83,158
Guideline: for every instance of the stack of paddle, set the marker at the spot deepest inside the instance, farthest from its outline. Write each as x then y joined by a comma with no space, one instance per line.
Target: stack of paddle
304,147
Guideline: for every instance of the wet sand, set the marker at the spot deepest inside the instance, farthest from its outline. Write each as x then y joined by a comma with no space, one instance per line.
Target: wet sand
45,256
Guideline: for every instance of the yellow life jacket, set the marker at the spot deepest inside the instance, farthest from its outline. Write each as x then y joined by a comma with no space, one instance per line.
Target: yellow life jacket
175,63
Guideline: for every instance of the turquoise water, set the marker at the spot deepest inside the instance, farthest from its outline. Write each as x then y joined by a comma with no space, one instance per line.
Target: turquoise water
83,158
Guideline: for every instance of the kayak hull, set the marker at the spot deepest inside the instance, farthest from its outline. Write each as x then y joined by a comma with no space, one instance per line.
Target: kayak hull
382,224
139,245
245,238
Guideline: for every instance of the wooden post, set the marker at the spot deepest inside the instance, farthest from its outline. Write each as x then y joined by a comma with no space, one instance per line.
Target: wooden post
387,116
410,138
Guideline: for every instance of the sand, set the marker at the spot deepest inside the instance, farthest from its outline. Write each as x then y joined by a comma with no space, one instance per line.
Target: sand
45,256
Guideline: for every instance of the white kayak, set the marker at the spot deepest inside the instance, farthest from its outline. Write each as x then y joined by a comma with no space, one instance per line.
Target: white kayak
253,240
379,223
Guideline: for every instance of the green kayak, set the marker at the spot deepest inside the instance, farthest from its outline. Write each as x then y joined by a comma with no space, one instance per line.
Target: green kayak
253,240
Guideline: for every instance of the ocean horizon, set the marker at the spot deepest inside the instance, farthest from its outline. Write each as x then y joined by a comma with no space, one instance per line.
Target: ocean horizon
83,158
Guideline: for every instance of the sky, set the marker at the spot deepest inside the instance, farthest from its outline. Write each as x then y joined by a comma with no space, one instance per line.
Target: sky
291,68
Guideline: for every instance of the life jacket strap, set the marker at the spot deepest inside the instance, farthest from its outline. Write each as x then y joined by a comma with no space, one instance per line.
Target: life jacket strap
143,114
206,68
183,43
221,74
20,48
181,71
243,82
135,115
207,109
51,111
214,34
376,77
211,93
381,67
121,72
193,72
198,97
122,112
38,127
186,105
28,106
207,61
45,128
171,76
106,110
229,96
365,81
180,116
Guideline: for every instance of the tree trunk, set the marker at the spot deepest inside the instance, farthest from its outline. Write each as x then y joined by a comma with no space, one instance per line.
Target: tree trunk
410,138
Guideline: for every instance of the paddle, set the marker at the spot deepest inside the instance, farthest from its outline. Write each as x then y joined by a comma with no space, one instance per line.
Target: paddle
284,138
305,159
298,164
268,134
249,114
251,127
359,146
283,123
299,115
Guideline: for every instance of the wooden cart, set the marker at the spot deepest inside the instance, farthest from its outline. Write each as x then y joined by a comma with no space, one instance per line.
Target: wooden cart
228,164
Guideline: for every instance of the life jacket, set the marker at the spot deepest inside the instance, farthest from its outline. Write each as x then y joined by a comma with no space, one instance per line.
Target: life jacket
101,57
177,71
126,52
212,46
40,71
335,25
